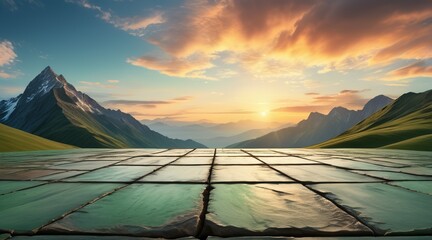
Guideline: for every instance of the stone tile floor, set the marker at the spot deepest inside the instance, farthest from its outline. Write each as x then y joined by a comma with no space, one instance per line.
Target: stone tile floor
216,193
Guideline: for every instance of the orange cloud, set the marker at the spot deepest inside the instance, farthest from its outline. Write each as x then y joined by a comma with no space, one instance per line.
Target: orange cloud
267,36
142,23
303,108
417,69
351,99
191,67
7,57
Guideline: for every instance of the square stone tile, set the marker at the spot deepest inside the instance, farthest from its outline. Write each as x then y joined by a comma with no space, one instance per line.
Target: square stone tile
179,174
320,173
387,209
26,210
194,160
275,209
240,173
151,210
236,160
148,161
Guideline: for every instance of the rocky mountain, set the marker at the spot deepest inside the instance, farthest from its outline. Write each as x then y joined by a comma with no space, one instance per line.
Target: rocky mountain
52,108
317,127
404,124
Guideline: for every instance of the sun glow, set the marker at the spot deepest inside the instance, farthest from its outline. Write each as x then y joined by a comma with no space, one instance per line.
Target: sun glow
264,113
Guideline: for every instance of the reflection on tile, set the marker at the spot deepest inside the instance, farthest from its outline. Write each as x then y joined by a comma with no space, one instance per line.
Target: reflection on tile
28,209
29,174
179,174
148,161
173,152
9,186
345,163
61,175
318,173
160,210
286,160
230,152
194,160
388,209
419,186
84,165
7,171
393,175
418,170
262,173
236,160
275,209
115,174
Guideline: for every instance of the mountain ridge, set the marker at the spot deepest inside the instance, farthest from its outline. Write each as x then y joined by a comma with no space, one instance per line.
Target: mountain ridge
404,124
317,127
50,107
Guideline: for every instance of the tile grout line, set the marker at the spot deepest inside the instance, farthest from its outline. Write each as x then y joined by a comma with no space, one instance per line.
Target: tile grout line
40,229
316,192
200,231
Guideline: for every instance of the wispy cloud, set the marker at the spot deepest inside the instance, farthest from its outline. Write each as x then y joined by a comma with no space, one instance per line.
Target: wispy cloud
109,84
145,103
420,68
134,25
14,5
139,23
7,53
351,99
7,57
303,108
191,67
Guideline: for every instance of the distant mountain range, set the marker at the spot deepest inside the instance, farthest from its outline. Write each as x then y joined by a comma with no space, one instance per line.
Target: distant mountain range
317,127
212,134
52,108
16,140
404,124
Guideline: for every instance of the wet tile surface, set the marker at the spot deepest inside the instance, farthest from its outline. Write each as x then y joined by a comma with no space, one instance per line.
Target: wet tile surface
215,193
387,209
153,210
269,209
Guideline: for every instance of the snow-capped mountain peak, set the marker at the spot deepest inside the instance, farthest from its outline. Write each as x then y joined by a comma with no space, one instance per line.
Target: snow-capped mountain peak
42,83
46,80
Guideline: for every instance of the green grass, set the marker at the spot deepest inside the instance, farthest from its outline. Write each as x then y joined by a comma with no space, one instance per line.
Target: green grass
405,124
420,143
16,140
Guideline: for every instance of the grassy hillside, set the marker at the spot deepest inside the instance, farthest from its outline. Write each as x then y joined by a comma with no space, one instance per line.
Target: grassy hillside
405,124
16,140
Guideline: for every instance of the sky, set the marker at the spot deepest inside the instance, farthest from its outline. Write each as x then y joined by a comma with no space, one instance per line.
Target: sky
222,61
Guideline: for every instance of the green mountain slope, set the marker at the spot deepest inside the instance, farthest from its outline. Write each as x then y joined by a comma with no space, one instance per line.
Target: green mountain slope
404,124
16,140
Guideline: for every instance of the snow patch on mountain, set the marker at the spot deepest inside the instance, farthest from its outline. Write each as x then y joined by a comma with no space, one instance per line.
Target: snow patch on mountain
9,106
